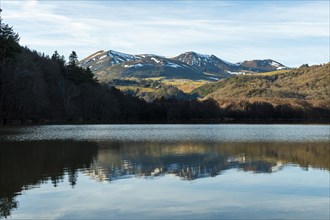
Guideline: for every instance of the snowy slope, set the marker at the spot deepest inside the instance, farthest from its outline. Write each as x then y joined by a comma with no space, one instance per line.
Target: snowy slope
207,63
261,65
190,65
112,64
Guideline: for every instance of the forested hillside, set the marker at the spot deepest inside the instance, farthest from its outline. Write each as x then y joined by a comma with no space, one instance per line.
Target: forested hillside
309,83
301,91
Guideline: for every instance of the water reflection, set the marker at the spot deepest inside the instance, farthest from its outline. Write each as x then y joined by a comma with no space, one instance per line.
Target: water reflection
25,165
196,160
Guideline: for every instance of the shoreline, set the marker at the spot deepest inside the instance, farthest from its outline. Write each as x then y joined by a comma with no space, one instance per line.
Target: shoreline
212,121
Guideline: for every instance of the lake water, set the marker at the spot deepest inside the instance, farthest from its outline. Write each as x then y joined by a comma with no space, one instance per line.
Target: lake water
165,171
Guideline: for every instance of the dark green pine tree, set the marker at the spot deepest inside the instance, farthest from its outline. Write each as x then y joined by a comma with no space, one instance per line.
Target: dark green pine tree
9,45
55,56
58,58
9,51
76,73
73,59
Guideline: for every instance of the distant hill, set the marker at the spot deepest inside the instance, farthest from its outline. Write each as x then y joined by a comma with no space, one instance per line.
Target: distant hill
300,89
109,65
261,65
308,83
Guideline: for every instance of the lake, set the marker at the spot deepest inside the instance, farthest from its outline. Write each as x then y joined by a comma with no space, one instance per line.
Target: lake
165,171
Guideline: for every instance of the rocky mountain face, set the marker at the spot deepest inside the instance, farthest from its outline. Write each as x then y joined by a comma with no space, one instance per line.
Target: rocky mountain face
208,64
108,65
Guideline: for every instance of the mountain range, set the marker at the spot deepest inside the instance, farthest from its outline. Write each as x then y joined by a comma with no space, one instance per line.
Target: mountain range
109,65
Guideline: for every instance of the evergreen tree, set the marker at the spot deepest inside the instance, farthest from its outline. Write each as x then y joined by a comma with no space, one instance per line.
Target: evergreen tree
9,45
9,50
73,59
58,58
55,56
77,74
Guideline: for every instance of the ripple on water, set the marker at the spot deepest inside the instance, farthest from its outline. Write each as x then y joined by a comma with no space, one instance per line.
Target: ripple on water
167,133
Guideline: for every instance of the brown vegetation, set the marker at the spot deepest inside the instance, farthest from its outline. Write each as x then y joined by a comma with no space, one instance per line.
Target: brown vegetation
299,93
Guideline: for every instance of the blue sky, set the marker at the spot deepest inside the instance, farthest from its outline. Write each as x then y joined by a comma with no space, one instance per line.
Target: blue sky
290,32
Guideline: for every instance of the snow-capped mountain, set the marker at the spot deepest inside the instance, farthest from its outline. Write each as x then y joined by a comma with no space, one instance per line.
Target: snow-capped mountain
261,65
207,63
157,66
111,64
106,58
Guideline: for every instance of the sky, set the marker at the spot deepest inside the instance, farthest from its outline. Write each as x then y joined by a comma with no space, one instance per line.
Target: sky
290,32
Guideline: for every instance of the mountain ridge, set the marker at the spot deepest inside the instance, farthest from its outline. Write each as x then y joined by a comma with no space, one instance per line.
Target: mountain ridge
108,65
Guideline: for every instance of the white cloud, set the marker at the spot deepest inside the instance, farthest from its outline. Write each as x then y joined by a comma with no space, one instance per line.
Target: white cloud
226,29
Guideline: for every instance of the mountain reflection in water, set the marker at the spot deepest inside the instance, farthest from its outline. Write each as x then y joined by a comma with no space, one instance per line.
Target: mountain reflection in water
195,160
26,165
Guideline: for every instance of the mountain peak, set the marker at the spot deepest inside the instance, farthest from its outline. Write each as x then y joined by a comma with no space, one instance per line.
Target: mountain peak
262,65
195,54
206,63
120,57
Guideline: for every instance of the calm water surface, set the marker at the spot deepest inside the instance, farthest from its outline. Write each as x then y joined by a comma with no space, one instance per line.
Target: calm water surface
165,171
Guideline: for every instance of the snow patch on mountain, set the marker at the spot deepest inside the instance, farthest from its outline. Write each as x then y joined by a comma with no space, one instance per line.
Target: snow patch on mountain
275,64
236,73
203,56
102,57
139,65
154,59
213,78
174,65
120,56
278,65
